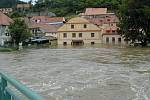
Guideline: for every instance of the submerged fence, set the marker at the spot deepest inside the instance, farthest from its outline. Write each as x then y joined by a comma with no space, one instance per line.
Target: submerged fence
7,93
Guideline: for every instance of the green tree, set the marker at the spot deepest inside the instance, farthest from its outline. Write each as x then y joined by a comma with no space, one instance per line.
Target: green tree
135,21
68,7
19,31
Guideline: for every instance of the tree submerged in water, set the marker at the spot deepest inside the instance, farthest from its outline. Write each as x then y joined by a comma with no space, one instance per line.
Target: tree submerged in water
19,31
135,21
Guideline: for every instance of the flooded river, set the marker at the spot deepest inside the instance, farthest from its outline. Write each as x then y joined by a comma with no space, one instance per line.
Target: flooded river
82,73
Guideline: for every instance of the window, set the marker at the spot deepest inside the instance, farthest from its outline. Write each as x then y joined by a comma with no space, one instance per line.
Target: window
92,43
73,35
108,20
113,39
85,26
119,40
107,39
113,31
72,26
32,31
80,34
92,34
107,31
65,35
64,43
7,34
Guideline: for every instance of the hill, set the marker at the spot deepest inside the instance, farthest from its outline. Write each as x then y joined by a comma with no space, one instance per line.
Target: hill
9,3
70,7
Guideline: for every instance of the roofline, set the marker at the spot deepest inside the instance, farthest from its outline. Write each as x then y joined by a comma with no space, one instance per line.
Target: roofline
81,31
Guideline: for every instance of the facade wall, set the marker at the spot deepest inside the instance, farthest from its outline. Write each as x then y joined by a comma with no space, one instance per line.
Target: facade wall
78,26
53,34
86,37
6,10
113,39
3,37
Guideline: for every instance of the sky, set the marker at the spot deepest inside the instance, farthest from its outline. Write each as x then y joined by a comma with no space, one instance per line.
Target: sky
27,0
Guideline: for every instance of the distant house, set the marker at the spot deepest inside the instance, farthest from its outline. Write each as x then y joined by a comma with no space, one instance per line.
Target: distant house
42,29
6,10
5,21
78,31
45,26
23,6
107,22
48,20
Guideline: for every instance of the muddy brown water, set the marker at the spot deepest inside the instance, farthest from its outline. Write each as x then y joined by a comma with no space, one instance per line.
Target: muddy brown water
82,73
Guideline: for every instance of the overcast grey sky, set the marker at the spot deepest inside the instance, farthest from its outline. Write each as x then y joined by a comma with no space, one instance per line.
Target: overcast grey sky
25,0
28,0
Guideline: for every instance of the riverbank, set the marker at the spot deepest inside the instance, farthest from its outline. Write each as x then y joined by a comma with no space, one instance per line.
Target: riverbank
7,49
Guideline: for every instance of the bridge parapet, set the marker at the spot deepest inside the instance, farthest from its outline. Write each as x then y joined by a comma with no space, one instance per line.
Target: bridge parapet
8,94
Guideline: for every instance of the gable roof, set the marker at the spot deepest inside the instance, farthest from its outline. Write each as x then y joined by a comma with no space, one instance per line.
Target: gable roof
5,20
81,21
56,19
95,11
77,20
46,19
41,18
44,27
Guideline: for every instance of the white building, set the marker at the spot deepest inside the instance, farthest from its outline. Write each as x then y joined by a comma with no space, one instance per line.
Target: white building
4,23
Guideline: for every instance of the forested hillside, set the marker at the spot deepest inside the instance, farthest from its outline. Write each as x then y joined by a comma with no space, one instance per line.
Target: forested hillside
65,7
8,3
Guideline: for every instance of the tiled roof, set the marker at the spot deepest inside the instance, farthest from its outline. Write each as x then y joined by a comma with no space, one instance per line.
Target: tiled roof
46,19
95,11
56,19
41,18
44,27
5,20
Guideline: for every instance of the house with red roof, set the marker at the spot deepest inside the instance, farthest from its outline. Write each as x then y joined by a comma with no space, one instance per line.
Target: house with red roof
6,10
5,21
45,26
105,20
48,20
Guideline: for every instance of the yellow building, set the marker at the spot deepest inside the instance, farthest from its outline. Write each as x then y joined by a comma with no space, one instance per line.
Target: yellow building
79,31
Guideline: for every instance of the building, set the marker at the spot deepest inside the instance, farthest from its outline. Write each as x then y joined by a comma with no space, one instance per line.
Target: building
107,22
45,26
6,10
79,31
48,20
23,6
5,21
42,29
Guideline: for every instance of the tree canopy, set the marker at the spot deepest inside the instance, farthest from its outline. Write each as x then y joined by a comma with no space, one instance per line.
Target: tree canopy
19,31
135,21
69,7
9,3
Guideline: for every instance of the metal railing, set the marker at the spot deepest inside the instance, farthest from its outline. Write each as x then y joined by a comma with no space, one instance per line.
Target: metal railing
7,94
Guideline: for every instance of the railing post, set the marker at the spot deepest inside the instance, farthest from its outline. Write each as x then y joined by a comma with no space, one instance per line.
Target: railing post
3,86
8,96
